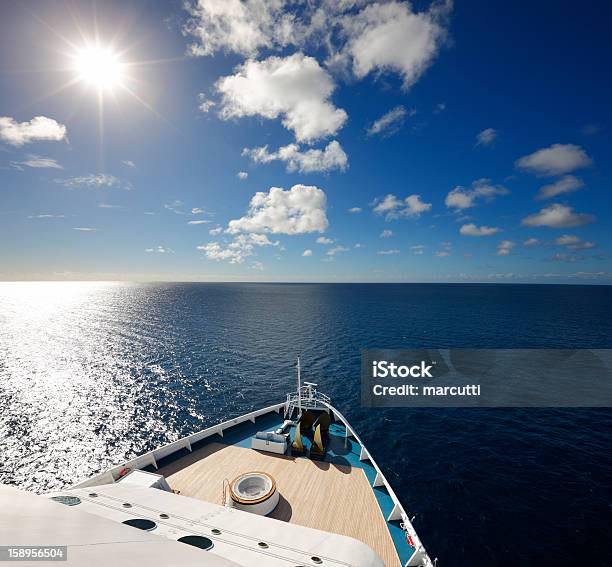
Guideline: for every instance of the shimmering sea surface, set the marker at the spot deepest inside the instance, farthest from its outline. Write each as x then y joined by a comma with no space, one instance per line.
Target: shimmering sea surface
95,373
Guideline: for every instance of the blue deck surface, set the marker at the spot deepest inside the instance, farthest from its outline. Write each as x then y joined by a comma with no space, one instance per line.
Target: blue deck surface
340,451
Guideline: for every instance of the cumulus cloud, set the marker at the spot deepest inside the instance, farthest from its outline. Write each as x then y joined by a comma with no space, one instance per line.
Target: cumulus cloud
337,250
388,252
505,247
295,88
355,210
567,184
389,123
391,37
418,249
325,240
305,161
159,250
37,162
237,250
386,234
242,175
472,230
462,198
242,27
574,242
205,103
299,210
94,181
393,208
558,216
129,163
486,137
40,128
555,160
530,242
307,252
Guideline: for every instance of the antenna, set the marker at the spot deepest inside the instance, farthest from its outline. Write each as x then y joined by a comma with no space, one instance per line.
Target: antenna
299,379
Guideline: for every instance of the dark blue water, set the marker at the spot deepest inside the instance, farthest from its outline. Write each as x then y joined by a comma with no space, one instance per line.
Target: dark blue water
94,373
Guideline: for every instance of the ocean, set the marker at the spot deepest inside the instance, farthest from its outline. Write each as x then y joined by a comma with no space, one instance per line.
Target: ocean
95,373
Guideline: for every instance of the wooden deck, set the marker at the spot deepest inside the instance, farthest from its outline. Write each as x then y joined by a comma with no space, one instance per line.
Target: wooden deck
320,495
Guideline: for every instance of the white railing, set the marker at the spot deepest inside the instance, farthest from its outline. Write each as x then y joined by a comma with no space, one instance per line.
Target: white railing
307,397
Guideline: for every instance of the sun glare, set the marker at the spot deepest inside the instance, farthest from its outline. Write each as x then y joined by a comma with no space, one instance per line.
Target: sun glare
99,67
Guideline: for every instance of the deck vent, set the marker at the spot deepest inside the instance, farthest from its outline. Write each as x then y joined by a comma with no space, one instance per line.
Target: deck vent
67,500
197,541
141,524
215,531
316,560
263,545
164,516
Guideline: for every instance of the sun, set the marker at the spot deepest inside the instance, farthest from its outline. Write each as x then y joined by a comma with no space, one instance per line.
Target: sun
99,67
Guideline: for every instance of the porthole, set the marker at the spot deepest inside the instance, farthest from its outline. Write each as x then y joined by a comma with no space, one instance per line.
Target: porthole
126,505
316,560
92,495
263,545
67,500
216,531
141,524
164,516
197,541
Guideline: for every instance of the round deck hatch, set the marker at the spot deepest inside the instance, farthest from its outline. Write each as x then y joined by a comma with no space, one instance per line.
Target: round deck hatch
254,492
141,524
197,541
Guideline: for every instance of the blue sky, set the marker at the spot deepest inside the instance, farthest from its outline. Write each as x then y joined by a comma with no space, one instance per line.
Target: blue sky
336,141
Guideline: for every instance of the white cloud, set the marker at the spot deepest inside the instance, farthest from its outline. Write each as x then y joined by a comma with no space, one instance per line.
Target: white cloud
94,181
159,250
337,250
257,266
299,210
242,175
46,216
555,160
85,229
296,88
355,210
359,245
505,247
440,107
530,242
237,26
129,163
194,210
394,208
388,252
443,254
574,242
37,162
486,137
386,234
389,123
236,251
390,37
40,128
205,104
215,231
418,249
567,184
307,161
472,230
307,252
176,207
558,216
461,198
325,240
198,222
